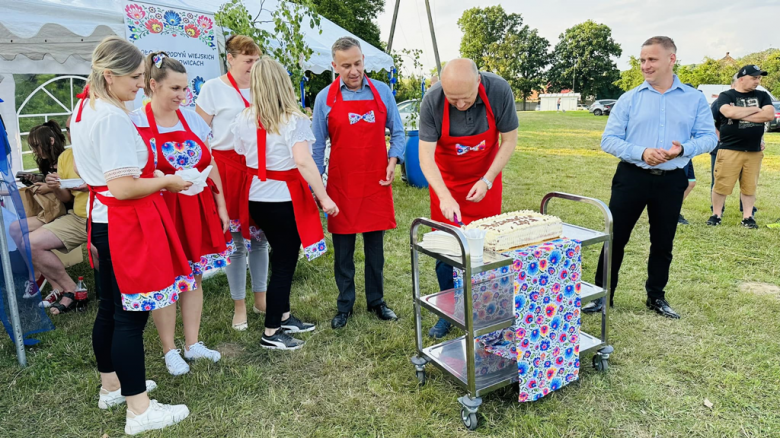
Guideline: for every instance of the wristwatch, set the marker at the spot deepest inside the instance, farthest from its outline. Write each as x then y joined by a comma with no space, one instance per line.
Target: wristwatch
488,183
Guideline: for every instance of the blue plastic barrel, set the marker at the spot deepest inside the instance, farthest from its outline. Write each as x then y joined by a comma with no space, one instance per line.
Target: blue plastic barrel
414,174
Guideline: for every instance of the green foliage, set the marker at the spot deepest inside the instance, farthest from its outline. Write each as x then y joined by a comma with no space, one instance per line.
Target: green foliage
713,71
501,43
288,20
583,59
409,87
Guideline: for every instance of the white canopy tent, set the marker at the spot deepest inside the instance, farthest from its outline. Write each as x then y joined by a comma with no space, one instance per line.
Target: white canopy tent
58,36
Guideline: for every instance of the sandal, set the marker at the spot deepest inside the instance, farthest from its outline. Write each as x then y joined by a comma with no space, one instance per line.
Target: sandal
74,304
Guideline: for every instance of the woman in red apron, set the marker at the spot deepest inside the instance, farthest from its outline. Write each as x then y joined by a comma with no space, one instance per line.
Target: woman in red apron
281,167
201,219
219,102
142,263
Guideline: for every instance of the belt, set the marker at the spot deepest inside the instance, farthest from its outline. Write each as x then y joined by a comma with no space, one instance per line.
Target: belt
655,172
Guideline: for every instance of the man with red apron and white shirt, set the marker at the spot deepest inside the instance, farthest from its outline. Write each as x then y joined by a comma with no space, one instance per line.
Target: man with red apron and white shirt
461,119
353,112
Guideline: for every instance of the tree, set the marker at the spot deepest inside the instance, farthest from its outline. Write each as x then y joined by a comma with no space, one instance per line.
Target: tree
632,77
288,20
485,31
583,60
501,43
356,16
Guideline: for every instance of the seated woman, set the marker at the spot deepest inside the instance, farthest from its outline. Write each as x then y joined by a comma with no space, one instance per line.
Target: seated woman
276,138
179,138
65,233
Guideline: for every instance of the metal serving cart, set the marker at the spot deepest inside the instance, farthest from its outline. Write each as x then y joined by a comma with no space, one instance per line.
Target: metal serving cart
443,304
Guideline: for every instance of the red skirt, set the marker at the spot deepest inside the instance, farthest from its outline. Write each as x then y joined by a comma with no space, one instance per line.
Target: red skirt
145,248
235,187
197,223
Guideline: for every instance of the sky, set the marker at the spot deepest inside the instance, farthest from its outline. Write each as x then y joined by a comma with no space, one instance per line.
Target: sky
700,28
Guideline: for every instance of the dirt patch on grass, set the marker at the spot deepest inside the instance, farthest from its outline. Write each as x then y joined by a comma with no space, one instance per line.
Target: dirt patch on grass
761,289
231,350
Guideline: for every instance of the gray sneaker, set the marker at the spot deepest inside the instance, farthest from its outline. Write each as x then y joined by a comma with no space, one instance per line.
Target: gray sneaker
750,223
295,325
280,341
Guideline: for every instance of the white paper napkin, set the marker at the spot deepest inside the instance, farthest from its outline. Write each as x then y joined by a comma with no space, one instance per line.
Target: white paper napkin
198,180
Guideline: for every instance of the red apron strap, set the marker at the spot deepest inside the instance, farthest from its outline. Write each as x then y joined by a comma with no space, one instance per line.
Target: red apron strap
238,90
445,126
307,215
377,97
84,95
262,138
151,120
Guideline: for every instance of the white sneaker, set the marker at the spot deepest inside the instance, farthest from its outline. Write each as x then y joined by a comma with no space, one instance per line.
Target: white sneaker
113,398
199,351
175,364
157,416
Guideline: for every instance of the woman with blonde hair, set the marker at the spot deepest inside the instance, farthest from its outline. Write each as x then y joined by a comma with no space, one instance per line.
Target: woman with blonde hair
219,101
275,138
142,264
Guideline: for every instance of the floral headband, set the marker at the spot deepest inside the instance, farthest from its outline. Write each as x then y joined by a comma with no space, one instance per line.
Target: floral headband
158,59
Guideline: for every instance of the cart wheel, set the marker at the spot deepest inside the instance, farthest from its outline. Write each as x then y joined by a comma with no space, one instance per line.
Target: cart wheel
600,363
469,419
421,377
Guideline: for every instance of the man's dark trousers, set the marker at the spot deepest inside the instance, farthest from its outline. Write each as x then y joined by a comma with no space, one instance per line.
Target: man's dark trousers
344,268
633,189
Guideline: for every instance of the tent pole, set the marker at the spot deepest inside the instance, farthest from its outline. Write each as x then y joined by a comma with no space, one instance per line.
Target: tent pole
13,308
392,27
433,37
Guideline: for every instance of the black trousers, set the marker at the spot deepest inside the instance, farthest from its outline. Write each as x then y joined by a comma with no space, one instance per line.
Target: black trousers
633,189
118,335
277,220
344,268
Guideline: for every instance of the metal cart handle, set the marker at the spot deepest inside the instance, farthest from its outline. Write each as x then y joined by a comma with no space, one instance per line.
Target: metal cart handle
447,228
592,201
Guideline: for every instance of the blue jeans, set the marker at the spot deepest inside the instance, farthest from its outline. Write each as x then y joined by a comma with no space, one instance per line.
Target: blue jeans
444,275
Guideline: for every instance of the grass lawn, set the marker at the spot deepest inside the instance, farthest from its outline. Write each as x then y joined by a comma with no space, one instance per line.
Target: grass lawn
358,381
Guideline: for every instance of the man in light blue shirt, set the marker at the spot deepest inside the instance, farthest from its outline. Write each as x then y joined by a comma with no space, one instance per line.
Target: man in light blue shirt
360,173
655,129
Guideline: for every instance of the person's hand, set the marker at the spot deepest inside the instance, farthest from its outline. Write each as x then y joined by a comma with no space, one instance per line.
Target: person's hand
390,172
449,208
224,218
158,173
176,184
53,181
329,207
477,192
763,145
81,188
674,151
654,157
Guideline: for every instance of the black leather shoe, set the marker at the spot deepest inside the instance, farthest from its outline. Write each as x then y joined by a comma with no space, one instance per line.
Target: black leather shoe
662,308
594,306
340,320
383,312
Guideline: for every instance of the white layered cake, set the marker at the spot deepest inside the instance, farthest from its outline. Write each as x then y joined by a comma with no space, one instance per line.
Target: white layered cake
519,228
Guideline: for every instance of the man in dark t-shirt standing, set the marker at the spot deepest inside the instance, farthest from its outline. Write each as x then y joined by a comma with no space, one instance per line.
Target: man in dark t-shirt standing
461,120
744,110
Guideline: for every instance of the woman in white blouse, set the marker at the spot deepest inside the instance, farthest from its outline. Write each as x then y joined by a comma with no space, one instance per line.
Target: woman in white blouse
141,258
276,138
219,101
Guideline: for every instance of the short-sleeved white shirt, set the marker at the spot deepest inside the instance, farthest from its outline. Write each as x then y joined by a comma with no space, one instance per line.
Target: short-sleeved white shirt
106,146
195,122
221,101
278,150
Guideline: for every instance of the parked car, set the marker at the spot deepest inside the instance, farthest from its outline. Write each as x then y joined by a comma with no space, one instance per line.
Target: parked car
410,112
608,108
582,106
597,108
774,124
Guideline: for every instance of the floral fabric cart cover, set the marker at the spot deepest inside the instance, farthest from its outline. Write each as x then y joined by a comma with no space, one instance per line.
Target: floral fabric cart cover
545,338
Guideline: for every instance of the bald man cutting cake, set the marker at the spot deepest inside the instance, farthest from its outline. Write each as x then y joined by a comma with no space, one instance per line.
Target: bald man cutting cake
461,119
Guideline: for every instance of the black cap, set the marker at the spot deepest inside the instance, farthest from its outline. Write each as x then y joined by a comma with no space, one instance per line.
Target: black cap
751,70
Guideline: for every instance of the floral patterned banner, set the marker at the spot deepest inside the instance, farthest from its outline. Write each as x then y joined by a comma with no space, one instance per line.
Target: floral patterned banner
188,37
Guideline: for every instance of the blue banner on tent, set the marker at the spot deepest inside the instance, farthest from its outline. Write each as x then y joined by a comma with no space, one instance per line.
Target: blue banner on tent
32,317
